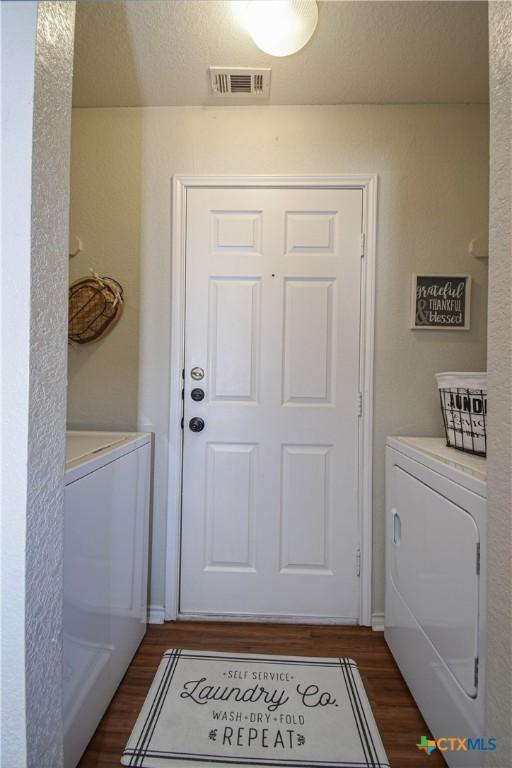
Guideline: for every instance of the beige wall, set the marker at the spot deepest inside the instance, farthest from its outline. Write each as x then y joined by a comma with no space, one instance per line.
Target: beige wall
106,213
432,163
499,690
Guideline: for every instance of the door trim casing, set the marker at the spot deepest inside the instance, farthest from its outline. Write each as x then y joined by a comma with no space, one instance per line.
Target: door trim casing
368,184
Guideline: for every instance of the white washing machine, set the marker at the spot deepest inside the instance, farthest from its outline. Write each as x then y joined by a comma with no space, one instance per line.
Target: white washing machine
435,584
106,533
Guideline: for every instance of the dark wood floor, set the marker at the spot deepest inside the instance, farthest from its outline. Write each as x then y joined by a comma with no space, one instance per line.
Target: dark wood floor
397,716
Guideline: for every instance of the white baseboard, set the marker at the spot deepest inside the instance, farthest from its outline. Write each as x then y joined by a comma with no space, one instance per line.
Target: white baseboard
156,614
378,622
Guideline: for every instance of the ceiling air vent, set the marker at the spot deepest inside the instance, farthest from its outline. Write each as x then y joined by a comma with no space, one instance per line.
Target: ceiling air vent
241,81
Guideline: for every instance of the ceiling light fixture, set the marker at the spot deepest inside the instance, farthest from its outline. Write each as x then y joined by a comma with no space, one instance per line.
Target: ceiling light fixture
281,27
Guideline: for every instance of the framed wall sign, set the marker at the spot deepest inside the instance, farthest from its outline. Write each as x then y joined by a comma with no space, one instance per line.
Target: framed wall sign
441,302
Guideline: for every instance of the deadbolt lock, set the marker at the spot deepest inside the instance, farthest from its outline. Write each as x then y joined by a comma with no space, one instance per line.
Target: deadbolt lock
197,373
197,394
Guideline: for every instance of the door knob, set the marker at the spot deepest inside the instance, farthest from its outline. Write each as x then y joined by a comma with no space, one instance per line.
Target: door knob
197,373
197,394
196,424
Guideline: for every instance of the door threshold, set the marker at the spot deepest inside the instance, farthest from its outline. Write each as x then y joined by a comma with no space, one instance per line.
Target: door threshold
268,618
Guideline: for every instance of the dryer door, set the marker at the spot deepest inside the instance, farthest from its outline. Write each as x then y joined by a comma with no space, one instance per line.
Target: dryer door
434,568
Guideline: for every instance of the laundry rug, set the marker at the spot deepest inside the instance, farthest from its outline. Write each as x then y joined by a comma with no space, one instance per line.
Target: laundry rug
253,710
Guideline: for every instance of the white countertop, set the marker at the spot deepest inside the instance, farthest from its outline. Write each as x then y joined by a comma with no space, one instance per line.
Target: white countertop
436,448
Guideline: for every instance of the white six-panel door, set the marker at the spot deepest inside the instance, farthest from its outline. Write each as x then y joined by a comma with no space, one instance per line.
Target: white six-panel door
269,495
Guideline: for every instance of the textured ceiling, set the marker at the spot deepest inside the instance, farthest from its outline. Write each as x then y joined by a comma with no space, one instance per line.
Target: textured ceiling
154,53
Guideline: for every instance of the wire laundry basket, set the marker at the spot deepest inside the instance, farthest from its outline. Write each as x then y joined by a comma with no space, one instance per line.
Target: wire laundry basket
463,400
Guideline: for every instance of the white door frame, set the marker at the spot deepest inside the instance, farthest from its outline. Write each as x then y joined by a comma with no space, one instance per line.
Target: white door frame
367,183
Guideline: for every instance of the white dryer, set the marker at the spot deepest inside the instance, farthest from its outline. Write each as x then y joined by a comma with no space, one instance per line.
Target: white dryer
435,584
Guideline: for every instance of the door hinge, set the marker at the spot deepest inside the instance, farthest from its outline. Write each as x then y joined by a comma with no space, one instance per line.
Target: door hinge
475,678
182,422
363,239
478,559
358,562
359,403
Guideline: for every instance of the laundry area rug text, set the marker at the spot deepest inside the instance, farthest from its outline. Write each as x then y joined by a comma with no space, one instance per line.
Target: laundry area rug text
255,710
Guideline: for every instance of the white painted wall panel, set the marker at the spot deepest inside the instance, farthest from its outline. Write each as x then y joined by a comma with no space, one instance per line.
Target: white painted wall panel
48,352
233,344
305,508
19,24
308,341
500,388
237,231
229,498
308,231
37,59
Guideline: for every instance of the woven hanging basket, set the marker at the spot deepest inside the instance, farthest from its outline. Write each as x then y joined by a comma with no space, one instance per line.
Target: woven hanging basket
94,306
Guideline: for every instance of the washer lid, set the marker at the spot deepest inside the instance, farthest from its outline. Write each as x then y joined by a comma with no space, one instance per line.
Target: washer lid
87,451
82,444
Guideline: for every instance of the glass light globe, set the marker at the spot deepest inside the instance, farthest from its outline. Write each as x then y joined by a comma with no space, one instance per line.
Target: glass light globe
281,27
